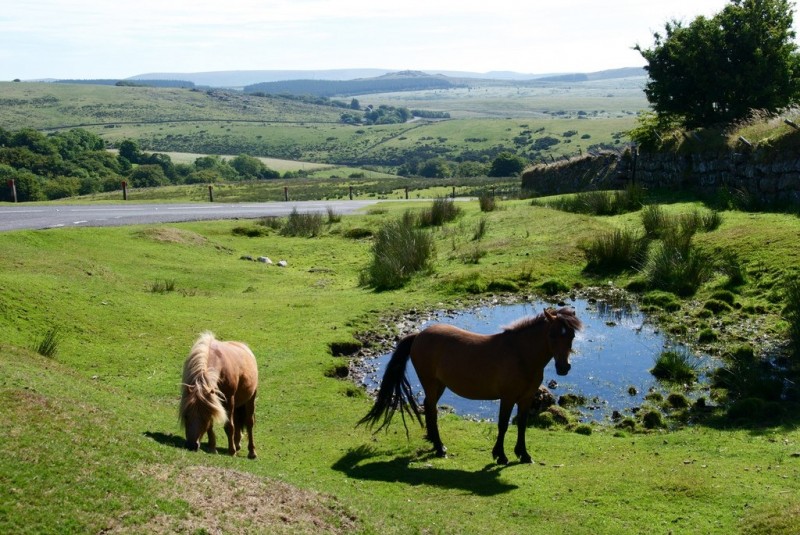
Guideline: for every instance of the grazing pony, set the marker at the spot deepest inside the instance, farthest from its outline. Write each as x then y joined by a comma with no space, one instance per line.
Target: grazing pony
508,366
220,380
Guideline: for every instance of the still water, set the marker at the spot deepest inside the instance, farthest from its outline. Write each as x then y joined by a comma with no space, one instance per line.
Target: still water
613,355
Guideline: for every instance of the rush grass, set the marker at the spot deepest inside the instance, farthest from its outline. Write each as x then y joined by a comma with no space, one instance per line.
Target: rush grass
101,416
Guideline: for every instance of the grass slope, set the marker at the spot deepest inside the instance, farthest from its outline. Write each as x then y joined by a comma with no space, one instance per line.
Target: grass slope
92,441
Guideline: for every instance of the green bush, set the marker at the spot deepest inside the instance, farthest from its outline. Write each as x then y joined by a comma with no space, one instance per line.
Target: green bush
664,300
553,287
716,306
400,250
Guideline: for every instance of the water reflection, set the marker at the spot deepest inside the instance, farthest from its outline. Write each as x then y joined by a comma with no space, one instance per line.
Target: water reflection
610,368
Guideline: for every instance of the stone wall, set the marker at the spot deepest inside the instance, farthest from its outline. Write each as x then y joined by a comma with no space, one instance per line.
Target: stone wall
770,180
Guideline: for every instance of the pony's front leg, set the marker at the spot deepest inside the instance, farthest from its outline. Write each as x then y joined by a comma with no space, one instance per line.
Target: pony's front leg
498,452
522,425
212,439
249,422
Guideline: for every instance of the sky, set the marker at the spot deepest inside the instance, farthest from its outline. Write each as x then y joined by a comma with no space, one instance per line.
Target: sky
91,39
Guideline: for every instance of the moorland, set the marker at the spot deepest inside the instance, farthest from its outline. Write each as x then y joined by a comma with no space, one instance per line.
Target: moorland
97,323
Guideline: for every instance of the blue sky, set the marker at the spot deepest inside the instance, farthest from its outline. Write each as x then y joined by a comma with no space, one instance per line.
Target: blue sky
107,39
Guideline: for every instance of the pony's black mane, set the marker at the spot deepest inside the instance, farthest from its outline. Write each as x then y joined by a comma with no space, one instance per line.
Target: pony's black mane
566,314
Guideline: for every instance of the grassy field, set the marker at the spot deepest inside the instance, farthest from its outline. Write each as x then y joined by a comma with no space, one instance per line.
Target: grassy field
92,441
486,120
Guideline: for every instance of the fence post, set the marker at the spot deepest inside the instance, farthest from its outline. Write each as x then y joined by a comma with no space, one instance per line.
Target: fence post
351,193
210,193
454,192
406,192
286,193
13,185
124,191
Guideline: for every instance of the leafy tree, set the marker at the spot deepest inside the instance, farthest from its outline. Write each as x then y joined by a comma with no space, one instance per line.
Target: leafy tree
435,168
718,69
507,164
148,176
470,169
355,105
250,167
129,150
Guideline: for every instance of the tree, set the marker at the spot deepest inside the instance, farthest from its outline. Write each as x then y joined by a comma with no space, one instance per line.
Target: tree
129,150
717,70
250,168
434,168
507,164
148,176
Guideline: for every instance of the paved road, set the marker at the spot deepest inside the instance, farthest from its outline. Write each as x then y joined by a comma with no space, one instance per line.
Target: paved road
17,217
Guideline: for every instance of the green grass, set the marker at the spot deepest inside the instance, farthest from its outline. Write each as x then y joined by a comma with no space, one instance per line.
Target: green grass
92,441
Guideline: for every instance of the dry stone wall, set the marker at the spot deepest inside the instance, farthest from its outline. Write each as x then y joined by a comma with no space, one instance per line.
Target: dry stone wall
770,180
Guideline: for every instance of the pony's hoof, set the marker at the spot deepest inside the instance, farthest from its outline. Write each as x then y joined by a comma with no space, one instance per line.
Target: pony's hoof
441,453
251,455
525,459
502,460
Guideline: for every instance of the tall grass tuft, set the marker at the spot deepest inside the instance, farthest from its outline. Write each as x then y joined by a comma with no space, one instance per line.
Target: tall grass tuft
162,286
399,251
305,225
487,202
618,250
654,220
676,365
333,216
791,313
676,268
480,230
47,346
600,202
442,211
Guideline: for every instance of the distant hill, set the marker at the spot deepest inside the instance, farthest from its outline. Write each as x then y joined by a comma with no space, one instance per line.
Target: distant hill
387,83
627,72
240,79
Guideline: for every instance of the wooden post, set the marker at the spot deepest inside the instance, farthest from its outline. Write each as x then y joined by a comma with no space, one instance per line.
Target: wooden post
351,193
124,191
286,193
13,185
406,192
493,192
210,193
454,192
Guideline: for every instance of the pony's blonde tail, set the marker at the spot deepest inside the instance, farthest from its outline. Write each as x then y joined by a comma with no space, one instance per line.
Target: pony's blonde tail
200,384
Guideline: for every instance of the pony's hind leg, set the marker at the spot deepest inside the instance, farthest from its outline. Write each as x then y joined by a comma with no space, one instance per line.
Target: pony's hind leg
432,395
522,424
249,421
498,452
240,416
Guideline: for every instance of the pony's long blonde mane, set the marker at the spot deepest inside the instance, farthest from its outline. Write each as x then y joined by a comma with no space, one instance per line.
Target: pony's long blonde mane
199,389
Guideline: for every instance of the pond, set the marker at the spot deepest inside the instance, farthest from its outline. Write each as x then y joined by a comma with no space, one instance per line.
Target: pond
613,355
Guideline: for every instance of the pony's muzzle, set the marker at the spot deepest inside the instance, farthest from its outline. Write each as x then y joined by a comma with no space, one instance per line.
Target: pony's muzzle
563,369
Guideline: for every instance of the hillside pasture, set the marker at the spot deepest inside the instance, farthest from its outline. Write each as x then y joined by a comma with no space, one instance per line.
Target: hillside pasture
92,440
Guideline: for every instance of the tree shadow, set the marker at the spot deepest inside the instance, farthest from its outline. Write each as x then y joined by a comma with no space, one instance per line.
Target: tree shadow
484,482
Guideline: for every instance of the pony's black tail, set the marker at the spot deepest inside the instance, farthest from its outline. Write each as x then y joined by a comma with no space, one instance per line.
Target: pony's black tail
395,391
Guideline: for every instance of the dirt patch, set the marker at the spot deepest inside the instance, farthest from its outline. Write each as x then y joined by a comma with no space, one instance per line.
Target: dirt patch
223,500
174,235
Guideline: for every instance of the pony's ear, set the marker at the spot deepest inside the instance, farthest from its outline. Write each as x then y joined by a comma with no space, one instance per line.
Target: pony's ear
549,315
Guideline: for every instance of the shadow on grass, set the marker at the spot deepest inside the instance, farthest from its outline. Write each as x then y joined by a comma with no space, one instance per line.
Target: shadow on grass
484,482
165,439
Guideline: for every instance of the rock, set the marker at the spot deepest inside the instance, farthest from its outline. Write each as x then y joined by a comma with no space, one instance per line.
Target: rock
264,259
282,263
